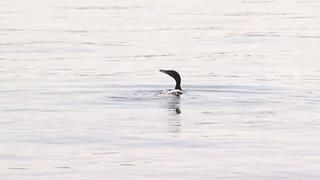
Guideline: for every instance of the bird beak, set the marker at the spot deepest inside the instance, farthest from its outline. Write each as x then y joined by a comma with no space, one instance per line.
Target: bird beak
163,71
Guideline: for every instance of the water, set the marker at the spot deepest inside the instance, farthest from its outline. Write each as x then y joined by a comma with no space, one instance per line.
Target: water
79,81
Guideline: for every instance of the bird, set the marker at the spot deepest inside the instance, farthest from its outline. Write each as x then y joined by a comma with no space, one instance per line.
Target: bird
175,75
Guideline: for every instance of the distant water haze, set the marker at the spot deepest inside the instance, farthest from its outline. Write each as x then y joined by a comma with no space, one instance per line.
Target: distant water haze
80,80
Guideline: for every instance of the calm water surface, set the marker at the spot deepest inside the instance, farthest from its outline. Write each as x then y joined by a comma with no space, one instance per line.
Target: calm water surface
79,81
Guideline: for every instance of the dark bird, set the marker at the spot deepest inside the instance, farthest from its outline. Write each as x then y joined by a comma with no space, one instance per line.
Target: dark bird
175,75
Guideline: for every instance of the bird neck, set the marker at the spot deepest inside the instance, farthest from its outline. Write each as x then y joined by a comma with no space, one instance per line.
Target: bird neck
178,82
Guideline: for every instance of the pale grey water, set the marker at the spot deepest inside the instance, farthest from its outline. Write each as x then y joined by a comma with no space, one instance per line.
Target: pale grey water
78,82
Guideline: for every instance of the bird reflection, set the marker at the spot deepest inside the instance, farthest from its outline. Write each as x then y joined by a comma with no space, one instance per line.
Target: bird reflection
174,123
174,104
